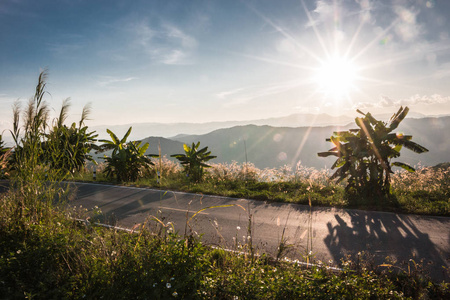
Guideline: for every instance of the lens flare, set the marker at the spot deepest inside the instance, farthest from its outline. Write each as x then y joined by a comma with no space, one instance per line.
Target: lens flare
335,77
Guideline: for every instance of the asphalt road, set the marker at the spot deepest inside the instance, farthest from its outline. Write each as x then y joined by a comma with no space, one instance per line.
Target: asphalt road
330,234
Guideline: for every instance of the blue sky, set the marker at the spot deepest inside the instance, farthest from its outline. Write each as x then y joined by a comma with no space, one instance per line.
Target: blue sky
200,61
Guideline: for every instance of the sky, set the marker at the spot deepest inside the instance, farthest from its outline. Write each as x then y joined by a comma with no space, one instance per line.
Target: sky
200,61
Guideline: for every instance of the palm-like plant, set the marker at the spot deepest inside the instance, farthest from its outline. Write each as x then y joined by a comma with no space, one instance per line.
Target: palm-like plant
68,148
365,154
127,158
194,160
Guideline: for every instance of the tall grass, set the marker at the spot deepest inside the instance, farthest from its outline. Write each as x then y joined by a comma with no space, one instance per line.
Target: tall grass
47,253
427,191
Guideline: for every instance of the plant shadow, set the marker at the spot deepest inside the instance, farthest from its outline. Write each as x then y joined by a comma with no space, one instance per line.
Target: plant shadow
390,235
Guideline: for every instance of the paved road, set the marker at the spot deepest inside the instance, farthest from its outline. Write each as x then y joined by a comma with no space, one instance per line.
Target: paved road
333,233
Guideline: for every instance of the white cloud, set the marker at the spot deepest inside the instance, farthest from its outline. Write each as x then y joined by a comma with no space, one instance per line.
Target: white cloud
324,12
366,7
108,80
164,43
247,94
385,101
408,29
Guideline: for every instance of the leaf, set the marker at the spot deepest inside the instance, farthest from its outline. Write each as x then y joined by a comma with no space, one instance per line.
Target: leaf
358,111
124,139
113,137
215,206
328,153
398,117
412,146
404,166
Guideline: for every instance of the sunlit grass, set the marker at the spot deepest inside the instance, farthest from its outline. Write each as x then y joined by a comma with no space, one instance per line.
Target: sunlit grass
427,191
57,257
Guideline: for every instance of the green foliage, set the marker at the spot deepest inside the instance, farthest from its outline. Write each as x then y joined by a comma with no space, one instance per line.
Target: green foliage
365,154
194,161
68,148
4,159
56,149
28,151
59,258
127,160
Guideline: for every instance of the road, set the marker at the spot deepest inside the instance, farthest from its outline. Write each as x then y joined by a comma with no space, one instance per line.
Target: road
326,233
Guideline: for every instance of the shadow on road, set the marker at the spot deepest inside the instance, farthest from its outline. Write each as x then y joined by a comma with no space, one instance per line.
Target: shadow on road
385,235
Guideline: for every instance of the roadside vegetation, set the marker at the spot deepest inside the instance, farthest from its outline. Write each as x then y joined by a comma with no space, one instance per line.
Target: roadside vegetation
426,191
49,250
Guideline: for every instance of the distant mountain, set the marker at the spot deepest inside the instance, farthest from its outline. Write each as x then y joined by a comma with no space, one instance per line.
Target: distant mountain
268,146
168,147
141,130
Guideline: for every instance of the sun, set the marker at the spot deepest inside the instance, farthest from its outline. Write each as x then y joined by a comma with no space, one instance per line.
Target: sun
336,77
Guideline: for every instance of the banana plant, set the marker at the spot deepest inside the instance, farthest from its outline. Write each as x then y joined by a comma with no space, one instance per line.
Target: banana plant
127,159
193,161
364,155
68,148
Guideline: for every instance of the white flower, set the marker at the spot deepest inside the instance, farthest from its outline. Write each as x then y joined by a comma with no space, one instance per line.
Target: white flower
238,228
173,278
174,294
168,285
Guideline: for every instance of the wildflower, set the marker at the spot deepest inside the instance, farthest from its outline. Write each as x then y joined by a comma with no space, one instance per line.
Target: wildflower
173,278
174,294
168,285
238,228
19,251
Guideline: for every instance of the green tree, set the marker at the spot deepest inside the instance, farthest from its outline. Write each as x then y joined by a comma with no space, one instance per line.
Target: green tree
365,154
194,160
127,158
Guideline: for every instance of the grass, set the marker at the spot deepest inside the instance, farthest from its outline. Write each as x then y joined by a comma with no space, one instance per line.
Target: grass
426,191
48,254
50,251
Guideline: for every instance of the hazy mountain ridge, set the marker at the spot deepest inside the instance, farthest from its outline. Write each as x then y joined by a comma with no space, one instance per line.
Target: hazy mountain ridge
170,130
268,146
142,130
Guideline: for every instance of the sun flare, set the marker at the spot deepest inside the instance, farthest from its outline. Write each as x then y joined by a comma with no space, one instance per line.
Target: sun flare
336,77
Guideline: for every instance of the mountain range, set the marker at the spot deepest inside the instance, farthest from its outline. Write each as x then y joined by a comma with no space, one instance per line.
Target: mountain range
167,130
270,146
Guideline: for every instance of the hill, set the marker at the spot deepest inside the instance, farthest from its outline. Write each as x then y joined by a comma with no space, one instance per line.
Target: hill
268,146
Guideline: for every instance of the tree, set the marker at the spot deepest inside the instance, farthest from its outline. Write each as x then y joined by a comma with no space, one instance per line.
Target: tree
194,160
365,154
127,159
